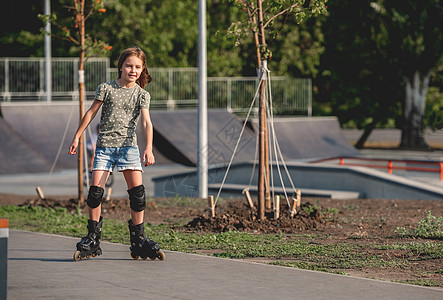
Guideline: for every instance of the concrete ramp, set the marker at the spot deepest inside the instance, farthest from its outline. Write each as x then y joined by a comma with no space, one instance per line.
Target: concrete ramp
307,138
41,127
17,155
176,134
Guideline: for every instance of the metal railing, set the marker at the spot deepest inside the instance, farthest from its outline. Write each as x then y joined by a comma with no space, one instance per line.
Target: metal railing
22,79
389,164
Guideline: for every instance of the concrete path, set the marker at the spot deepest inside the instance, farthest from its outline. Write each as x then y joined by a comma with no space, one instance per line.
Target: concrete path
40,266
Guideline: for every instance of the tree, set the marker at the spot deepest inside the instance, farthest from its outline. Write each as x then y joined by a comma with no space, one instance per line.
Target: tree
359,79
86,47
261,19
385,51
416,45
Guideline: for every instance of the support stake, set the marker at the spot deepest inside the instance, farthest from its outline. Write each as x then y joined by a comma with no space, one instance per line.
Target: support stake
277,207
248,197
298,199
293,207
108,194
211,205
268,202
40,193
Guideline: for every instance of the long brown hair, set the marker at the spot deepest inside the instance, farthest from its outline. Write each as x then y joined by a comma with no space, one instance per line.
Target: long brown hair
145,77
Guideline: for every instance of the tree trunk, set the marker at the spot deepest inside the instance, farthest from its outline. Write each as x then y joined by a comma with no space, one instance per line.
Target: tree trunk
263,159
413,112
367,132
81,16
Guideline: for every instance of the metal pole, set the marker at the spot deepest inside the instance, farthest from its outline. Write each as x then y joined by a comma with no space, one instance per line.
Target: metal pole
48,70
81,81
202,104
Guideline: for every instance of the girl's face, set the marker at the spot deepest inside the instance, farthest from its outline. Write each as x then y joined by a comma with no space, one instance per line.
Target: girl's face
131,69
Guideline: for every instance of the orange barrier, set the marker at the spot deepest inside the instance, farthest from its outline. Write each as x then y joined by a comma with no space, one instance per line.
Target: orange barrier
4,223
391,164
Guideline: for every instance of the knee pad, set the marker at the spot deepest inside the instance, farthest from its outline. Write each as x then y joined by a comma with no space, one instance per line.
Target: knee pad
95,196
137,198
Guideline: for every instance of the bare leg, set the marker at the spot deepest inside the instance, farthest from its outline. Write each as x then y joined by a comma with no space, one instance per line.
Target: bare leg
134,178
99,178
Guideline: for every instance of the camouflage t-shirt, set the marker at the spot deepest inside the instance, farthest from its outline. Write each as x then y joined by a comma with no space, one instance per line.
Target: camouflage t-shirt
120,113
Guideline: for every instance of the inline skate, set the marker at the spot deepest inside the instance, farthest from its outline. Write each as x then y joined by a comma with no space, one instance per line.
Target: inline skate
89,245
141,246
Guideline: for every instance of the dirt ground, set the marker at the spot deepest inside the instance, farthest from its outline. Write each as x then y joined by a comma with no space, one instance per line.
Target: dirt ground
362,221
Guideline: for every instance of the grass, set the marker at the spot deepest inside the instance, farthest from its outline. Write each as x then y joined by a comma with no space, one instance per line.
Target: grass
428,227
292,250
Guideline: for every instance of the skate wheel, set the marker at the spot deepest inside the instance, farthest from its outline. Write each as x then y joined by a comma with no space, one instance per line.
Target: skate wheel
145,258
161,255
88,257
94,254
77,256
134,256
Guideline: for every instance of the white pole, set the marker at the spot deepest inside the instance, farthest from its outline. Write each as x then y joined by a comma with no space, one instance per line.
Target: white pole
202,144
48,71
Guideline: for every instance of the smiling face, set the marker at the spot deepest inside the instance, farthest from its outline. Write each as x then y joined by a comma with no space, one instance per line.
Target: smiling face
131,70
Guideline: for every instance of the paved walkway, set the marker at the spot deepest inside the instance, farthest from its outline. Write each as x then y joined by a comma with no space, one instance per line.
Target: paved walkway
40,266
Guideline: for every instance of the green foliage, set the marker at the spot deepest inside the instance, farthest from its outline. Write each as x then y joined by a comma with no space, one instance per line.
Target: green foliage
429,227
67,27
433,112
358,79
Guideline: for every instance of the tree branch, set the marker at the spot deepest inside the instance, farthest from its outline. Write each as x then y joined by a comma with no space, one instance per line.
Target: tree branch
68,37
279,14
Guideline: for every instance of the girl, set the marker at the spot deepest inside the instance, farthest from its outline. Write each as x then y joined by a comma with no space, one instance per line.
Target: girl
123,102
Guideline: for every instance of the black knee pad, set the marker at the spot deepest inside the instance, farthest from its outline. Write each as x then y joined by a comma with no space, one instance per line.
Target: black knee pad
95,196
137,198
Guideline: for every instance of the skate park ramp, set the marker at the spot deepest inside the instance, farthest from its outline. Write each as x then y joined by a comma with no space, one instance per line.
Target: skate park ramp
176,135
299,138
45,129
308,138
17,155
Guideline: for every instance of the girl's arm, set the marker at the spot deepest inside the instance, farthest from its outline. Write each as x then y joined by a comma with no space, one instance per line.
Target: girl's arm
148,156
87,118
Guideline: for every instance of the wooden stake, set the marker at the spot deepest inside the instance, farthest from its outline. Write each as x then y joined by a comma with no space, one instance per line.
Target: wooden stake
268,202
298,199
277,207
248,197
108,194
211,205
40,193
293,207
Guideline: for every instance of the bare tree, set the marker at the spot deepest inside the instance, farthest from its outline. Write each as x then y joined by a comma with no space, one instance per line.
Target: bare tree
261,17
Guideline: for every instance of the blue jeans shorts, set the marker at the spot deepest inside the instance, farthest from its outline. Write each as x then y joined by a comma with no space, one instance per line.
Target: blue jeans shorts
124,158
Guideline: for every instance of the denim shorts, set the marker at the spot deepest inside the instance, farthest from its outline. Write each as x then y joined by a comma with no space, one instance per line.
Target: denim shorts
124,158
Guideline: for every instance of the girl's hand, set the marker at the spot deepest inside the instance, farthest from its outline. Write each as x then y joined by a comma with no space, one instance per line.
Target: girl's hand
148,158
73,146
